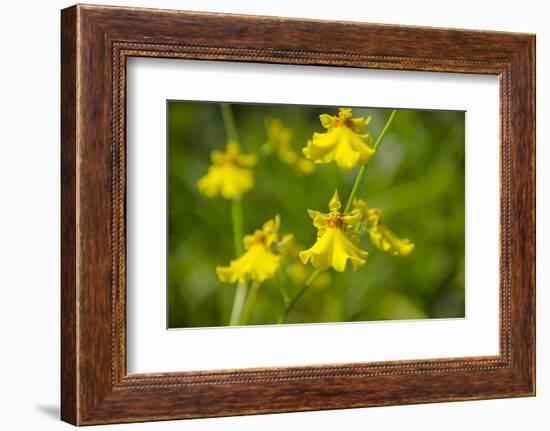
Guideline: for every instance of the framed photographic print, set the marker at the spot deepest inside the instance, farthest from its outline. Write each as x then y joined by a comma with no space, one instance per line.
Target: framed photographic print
260,217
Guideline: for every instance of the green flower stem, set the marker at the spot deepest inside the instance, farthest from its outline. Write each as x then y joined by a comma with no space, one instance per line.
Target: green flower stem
237,218
303,289
241,290
229,122
355,189
281,288
238,304
361,174
250,303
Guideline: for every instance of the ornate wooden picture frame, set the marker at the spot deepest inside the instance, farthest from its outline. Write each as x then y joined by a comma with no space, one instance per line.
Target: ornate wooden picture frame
96,41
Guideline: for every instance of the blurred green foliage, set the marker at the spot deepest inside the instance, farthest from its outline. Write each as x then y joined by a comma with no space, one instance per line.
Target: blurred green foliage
417,179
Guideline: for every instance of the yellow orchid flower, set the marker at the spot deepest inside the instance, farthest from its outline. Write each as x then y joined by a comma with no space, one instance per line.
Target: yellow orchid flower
336,240
380,235
361,205
260,260
342,142
280,138
229,175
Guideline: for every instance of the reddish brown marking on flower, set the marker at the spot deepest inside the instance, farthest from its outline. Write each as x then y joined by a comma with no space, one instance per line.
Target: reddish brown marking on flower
260,239
335,220
230,160
346,122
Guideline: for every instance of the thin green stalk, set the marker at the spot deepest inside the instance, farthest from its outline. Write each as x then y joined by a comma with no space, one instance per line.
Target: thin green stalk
361,174
238,304
241,290
384,130
355,189
250,303
237,218
229,122
300,293
281,288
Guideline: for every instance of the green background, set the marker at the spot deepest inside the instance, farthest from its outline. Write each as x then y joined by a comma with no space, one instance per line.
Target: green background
416,179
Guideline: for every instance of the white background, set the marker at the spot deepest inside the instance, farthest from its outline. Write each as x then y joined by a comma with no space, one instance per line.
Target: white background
29,228
151,348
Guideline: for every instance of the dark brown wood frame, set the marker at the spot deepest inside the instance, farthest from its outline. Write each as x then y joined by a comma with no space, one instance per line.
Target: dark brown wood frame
95,43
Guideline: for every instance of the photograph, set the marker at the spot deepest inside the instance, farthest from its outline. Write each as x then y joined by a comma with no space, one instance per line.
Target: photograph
275,215
295,214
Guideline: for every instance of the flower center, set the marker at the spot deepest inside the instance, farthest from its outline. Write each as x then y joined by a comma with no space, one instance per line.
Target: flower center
334,220
343,122
259,239
229,160
344,119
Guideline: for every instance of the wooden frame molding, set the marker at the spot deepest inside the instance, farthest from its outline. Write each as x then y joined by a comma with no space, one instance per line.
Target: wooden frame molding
95,43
